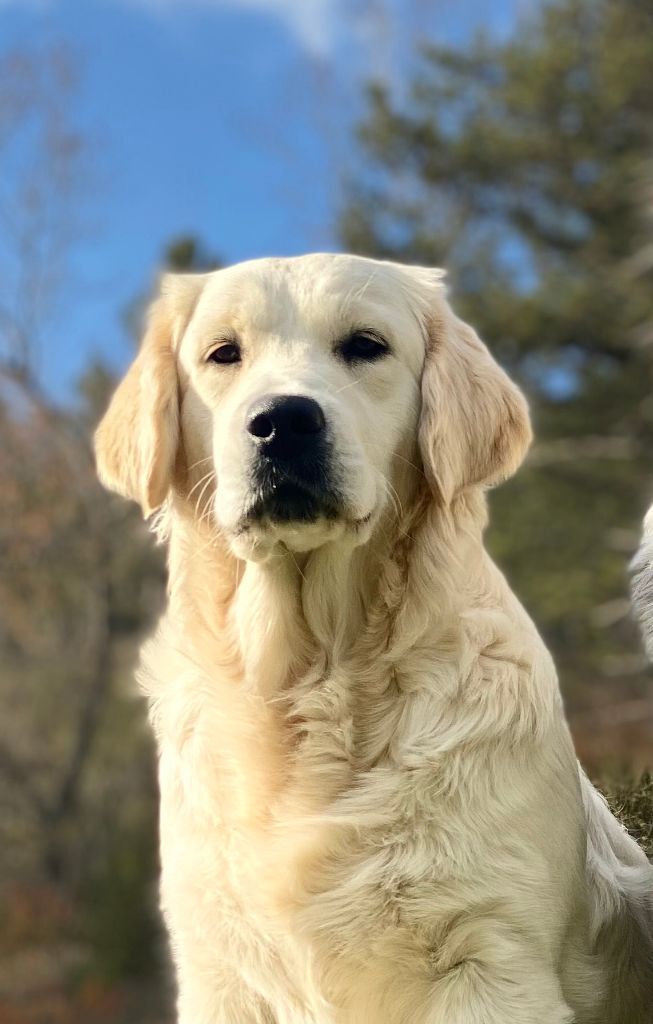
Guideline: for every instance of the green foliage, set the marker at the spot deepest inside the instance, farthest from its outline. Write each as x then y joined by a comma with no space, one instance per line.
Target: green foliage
522,166
632,802
118,907
187,254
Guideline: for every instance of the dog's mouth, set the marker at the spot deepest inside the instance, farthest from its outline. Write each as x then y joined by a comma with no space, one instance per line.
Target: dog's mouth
298,491
286,500
299,507
290,513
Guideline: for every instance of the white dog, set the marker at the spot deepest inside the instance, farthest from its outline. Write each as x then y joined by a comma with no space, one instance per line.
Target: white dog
642,583
371,812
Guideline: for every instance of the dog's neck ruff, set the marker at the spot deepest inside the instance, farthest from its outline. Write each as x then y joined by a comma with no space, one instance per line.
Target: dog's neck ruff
272,623
292,678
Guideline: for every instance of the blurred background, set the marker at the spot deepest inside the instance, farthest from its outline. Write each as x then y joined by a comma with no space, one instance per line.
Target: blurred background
511,142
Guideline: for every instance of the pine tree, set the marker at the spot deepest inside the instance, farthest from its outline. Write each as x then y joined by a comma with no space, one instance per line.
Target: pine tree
522,166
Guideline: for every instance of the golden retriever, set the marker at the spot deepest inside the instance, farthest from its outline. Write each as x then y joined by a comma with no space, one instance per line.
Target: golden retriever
371,811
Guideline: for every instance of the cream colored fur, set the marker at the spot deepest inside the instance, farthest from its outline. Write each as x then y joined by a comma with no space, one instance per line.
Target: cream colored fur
371,811
642,583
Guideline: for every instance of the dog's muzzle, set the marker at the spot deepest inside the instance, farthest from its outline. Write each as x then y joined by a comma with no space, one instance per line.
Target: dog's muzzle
291,473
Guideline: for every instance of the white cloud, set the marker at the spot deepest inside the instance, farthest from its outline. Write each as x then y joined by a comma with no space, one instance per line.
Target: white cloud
313,22
319,24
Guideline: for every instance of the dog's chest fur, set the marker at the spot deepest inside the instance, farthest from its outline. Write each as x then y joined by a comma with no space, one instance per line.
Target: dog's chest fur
359,803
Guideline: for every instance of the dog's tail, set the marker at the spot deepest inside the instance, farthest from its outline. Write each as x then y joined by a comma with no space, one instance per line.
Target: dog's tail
620,882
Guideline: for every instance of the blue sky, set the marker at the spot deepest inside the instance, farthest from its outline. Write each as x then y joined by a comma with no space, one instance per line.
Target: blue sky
229,119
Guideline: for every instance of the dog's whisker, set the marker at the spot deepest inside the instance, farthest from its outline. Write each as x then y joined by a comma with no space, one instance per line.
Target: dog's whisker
208,480
394,497
297,566
214,535
397,455
327,384
209,458
209,543
206,476
345,386
401,458
240,572
199,500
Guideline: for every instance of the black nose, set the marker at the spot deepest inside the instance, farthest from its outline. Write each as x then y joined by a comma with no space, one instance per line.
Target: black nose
286,426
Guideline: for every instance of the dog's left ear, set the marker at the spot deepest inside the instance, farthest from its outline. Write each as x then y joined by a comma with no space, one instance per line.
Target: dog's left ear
474,427
136,441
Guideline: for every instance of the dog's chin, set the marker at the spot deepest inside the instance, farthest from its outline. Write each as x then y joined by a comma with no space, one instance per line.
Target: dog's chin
292,518
290,503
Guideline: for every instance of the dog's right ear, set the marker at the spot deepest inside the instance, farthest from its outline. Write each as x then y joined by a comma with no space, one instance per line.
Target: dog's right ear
136,441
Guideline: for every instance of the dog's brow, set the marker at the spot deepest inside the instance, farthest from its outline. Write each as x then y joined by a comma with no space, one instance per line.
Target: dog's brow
356,292
363,288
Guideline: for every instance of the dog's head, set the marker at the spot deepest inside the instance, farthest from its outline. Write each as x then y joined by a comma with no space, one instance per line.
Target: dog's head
290,392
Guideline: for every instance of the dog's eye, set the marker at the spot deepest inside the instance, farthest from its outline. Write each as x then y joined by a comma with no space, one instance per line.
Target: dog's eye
362,346
229,352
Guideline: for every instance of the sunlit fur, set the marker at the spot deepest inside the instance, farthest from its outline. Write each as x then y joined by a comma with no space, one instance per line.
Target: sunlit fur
371,811
642,583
